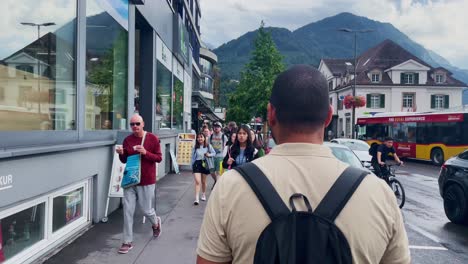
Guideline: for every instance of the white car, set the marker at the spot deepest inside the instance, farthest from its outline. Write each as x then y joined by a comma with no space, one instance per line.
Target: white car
359,147
344,154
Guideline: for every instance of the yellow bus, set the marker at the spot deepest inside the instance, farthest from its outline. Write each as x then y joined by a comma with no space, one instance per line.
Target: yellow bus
425,136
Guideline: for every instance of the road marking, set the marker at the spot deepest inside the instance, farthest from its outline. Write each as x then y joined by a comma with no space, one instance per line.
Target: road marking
428,248
424,233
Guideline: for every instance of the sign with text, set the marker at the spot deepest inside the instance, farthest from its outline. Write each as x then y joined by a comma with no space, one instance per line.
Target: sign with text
6,182
412,118
115,189
185,144
163,53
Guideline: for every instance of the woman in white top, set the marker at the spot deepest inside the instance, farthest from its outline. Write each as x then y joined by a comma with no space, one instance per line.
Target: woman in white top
200,152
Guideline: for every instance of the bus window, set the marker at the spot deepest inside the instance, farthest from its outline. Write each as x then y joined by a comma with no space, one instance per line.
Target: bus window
465,135
362,135
404,132
422,132
378,131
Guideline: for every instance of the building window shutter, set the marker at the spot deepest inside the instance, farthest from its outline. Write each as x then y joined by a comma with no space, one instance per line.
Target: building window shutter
402,78
446,101
382,101
368,103
416,78
433,101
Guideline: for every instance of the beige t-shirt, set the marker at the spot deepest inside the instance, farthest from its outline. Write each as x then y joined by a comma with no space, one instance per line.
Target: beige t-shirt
234,218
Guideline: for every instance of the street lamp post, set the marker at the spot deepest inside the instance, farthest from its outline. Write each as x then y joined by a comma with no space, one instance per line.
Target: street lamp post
353,115
38,62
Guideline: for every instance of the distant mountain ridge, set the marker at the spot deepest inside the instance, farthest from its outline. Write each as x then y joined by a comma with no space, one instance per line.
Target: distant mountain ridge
322,39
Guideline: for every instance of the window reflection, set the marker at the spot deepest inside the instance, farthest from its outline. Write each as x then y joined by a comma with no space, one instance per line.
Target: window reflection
106,65
178,102
22,230
37,66
67,208
163,96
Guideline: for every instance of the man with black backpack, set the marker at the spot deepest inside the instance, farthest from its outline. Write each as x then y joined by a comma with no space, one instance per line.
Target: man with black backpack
299,204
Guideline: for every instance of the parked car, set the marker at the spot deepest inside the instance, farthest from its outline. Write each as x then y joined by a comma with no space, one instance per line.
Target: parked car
359,147
341,152
344,154
453,187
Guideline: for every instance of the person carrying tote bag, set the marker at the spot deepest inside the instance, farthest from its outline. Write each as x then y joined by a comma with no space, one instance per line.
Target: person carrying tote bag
132,172
141,151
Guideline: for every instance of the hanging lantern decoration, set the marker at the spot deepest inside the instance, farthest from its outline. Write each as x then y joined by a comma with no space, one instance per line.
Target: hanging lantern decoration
356,101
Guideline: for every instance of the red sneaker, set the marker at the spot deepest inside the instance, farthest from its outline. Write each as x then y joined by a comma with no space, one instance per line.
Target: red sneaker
157,228
125,248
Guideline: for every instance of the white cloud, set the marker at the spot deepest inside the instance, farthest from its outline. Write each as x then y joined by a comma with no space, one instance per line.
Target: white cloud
15,36
439,25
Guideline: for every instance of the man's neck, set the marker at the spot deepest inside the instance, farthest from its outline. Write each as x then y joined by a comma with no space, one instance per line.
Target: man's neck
313,138
139,134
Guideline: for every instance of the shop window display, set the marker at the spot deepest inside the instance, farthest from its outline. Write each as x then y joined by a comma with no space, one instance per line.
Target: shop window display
21,230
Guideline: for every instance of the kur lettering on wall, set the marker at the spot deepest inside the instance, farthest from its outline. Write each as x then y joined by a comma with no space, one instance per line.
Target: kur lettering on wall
6,182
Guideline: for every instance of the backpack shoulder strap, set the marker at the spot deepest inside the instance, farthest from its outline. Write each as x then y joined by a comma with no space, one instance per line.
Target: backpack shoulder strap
340,192
265,192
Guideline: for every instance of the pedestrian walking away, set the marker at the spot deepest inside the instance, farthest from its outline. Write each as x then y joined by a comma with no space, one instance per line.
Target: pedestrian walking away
201,151
144,192
301,192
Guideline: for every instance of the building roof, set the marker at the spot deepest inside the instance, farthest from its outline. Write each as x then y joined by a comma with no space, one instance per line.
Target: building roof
382,57
385,56
338,67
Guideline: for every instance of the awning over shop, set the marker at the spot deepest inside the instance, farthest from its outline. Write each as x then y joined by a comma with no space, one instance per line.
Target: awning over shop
204,108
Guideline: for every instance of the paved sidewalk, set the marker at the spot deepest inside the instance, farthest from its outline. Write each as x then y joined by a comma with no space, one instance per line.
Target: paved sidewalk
177,243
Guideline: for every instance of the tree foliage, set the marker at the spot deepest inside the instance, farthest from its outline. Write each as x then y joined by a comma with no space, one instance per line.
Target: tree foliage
253,92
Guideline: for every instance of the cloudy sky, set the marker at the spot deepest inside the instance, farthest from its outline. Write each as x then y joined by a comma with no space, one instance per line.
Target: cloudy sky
439,25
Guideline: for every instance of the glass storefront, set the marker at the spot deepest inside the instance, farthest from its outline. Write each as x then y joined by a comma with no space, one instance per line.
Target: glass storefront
37,65
21,230
206,67
163,96
67,208
106,64
178,102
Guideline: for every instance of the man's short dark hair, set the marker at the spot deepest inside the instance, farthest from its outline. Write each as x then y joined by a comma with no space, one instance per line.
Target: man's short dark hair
300,97
388,139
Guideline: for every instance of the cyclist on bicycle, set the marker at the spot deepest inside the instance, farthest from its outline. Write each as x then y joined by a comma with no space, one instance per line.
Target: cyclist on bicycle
380,154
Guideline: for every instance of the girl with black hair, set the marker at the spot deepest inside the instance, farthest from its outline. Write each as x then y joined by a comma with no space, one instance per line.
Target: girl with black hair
242,151
256,143
200,152
232,139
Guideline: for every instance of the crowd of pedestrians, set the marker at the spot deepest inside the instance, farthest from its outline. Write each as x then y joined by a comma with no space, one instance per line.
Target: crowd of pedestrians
253,214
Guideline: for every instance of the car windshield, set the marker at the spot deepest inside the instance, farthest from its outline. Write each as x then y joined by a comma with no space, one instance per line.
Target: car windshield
346,156
356,145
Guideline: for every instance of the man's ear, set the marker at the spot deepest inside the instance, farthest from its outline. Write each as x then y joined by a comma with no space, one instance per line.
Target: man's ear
271,115
329,116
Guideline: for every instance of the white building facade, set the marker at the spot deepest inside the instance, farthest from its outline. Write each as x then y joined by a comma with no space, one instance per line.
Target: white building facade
391,80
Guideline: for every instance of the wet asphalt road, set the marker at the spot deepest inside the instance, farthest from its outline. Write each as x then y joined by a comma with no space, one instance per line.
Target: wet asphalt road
433,238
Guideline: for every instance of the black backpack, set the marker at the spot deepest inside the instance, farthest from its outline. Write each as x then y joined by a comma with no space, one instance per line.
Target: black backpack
373,151
302,237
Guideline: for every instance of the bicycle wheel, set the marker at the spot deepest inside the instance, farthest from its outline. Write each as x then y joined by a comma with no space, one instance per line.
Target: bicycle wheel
398,190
